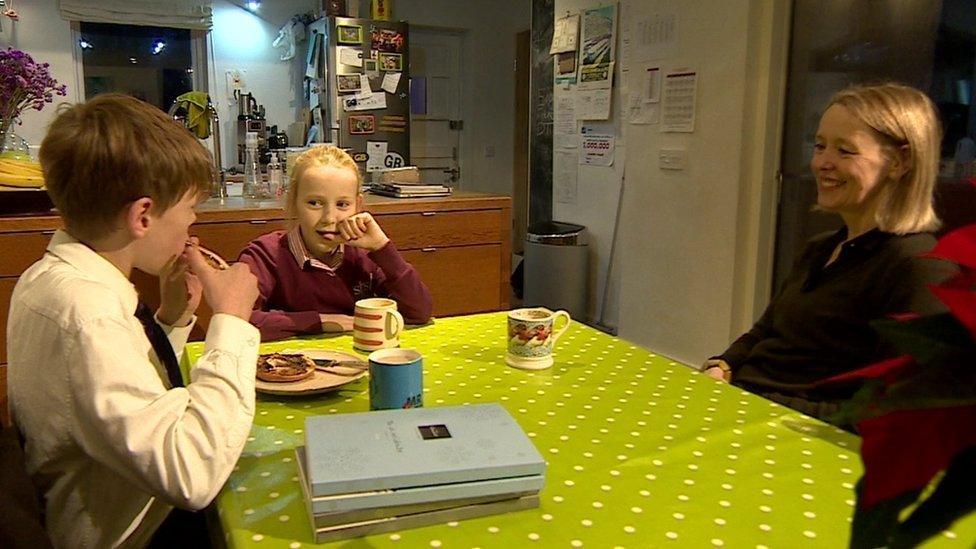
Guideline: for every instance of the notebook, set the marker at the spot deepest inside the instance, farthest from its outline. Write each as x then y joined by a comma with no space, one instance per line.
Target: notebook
390,524
416,448
323,516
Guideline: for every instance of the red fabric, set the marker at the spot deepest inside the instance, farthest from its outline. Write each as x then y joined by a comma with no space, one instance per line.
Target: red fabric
961,303
959,247
886,369
903,450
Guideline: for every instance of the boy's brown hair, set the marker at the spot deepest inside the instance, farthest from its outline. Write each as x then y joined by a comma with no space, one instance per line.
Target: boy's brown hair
101,155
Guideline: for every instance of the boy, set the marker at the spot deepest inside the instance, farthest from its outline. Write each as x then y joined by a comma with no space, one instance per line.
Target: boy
113,440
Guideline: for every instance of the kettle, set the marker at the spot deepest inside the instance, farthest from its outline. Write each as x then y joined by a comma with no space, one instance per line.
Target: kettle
247,106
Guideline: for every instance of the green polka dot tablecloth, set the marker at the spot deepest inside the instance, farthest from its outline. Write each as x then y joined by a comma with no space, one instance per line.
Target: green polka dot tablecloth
641,451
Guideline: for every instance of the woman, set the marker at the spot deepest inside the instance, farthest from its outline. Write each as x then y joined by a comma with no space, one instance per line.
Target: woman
875,161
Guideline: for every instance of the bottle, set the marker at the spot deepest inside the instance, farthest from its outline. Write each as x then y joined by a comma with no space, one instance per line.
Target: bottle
275,178
254,186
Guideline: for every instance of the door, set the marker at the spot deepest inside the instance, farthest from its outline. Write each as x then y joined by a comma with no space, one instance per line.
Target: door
435,105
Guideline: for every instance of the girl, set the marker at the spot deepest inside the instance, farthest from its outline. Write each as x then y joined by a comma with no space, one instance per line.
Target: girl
311,276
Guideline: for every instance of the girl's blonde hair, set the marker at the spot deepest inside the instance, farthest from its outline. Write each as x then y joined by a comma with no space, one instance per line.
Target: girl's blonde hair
319,156
902,116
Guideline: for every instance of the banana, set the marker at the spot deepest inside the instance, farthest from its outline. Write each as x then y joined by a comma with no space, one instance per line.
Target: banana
15,167
21,181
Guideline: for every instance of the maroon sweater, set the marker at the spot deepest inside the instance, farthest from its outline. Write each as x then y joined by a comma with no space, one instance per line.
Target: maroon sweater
292,296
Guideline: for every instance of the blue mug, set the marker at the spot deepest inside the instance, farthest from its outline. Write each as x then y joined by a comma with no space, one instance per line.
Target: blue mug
396,379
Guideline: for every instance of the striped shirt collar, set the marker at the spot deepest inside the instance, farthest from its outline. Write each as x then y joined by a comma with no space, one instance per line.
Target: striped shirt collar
298,250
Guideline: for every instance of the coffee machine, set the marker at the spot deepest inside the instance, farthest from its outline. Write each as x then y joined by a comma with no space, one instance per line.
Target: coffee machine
250,118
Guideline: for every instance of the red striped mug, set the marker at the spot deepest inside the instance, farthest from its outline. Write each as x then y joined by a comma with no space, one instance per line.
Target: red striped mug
376,324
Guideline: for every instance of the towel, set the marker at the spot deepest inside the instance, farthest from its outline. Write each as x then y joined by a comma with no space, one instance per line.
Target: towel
195,105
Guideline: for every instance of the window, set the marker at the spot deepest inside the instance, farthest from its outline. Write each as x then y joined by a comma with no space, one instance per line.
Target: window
154,64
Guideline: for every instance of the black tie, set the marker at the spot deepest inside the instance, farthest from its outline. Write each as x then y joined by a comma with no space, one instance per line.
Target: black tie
160,344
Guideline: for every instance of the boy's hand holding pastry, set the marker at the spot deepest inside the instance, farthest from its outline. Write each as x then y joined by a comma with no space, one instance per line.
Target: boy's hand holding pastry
362,231
179,293
232,290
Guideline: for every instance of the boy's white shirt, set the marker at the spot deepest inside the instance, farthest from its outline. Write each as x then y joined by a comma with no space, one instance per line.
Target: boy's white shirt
111,446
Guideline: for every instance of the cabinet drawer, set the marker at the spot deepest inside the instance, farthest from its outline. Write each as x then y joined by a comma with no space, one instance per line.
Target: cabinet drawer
461,280
228,239
410,231
21,250
6,289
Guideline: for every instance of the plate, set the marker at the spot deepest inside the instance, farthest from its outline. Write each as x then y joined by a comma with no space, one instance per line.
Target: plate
319,382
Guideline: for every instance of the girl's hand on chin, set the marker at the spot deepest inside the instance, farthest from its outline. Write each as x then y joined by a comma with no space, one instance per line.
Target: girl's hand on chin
362,231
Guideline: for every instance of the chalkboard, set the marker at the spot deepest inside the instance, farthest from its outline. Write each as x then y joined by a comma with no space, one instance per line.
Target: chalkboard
540,113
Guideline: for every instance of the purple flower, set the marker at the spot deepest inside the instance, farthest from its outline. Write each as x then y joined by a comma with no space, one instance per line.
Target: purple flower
24,84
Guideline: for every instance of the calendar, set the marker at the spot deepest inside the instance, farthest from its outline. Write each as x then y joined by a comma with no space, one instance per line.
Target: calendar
678,111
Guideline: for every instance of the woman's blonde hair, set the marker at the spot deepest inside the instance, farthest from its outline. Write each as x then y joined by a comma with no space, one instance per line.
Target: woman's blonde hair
902,116
319,156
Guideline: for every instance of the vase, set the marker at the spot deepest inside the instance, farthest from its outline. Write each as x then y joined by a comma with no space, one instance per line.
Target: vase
12,145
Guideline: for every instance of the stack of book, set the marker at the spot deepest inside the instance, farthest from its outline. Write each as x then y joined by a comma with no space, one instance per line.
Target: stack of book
409,190
376,472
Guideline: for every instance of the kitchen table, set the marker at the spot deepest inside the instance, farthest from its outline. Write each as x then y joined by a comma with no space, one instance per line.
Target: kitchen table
642,452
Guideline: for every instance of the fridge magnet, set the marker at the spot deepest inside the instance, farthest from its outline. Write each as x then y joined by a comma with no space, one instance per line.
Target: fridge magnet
387,40
391,61
349,56
370,68
359,157
348,83
361,124
349,34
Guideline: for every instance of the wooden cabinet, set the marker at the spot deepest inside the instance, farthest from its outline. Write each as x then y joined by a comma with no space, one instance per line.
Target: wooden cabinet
459,244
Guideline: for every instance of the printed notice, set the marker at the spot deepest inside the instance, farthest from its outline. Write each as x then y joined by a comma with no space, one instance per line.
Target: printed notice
364,101
678,111
565,175
564,35
390,82
596,150
376,154
593,104
564,127
350,56
639,112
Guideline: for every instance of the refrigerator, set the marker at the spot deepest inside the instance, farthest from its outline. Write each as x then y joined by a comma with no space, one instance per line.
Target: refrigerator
363,89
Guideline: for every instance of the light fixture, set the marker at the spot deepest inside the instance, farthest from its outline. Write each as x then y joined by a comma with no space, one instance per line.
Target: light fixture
133,60
84,44
253,5
158,46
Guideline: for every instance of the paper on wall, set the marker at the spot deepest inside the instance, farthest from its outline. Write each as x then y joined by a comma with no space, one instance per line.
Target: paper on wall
564,126
595,77
364,101
679,102
565,175
364,85
593,104
655,36
564,68
564,34
376,152
390,82
652,85
598,35
639,112
350,56
596,149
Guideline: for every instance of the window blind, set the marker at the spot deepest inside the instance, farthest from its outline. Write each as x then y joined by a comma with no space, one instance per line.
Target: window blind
184,14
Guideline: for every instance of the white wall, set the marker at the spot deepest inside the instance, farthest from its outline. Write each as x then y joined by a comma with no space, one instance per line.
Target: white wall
242,40
47,38
488,78
690,271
